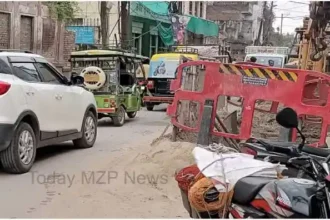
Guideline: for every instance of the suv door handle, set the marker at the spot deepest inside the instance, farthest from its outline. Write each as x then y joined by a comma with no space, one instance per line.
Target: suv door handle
58,97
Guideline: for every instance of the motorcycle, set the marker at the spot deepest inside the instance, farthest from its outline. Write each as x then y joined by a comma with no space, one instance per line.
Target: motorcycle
261,197
262,149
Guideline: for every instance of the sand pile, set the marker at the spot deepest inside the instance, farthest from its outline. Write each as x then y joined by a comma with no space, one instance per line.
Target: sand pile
166,157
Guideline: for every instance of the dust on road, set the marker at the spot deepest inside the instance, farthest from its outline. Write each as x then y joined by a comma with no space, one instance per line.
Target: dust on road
125,177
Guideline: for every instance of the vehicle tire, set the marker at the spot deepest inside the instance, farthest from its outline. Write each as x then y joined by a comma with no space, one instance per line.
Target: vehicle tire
150,107
19,157
89,132
119,120
131,114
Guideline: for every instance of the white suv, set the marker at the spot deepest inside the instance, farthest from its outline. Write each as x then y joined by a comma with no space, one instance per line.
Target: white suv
40,107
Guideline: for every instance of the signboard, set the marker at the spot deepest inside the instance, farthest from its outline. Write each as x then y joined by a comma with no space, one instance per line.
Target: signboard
163,68
255,81
265,49
179,25
84,35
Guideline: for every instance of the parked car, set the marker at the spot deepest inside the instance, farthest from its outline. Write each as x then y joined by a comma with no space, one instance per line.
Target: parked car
40,107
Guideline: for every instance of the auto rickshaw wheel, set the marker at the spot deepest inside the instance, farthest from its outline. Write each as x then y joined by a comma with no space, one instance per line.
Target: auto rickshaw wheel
150,107
119,120
131,114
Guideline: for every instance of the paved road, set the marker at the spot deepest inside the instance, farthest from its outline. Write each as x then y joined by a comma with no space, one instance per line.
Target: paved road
21,194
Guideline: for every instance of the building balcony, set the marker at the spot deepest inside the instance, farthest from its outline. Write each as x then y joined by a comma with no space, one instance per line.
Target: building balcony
248,9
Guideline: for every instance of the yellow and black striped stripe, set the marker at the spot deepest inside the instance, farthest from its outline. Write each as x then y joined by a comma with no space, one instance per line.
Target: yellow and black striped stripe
259,72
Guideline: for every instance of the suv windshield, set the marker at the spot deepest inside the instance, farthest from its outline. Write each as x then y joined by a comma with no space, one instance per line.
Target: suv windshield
268,61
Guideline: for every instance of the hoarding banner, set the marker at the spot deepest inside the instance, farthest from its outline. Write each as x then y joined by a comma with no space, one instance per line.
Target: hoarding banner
163,68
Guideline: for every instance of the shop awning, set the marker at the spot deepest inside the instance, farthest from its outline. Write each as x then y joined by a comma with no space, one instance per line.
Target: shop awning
193,24
160,7
201,26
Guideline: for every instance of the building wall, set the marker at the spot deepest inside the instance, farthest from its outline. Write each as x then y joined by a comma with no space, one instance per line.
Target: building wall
239,23
146,31
237,19
89,15
196,8
28,26
5,30
257,18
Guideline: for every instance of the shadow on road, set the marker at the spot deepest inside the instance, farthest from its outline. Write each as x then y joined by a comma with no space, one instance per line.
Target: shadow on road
107,122
54,150
48,152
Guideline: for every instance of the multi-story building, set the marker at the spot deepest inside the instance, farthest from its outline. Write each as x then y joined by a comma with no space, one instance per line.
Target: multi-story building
87,23
198,9
239,23
144,27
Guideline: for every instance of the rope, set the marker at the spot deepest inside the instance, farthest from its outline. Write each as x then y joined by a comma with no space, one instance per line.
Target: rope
196,196
187,176
218,148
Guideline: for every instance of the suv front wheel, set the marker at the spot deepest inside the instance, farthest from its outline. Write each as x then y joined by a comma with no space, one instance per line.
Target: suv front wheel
19,156
89,132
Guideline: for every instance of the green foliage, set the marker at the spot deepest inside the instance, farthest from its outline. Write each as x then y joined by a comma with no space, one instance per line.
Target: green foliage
63,11
285,40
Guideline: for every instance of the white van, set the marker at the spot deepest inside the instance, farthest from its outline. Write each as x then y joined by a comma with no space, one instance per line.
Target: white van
269,56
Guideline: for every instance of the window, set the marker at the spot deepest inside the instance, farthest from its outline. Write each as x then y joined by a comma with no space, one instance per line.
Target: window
78,21
201,9
180,7
26,72
137,42
190,8
153,44
267,61
161,45
47,74
4,66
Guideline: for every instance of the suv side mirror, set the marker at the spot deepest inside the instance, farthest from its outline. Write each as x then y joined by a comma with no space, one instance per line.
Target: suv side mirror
76,79
287,118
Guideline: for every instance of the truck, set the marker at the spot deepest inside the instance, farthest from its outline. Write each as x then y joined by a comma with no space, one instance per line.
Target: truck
268,56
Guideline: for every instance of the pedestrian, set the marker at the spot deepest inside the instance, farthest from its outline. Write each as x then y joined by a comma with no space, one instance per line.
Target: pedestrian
271,62
253,59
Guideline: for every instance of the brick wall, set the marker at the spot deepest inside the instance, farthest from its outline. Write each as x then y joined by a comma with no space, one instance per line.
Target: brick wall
48,38
4,30
26,34
69,46
28,26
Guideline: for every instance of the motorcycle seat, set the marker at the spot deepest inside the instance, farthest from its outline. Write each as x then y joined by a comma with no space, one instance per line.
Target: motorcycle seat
247,188
317,151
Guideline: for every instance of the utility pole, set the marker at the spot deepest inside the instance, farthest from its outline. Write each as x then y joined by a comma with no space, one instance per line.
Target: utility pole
119,18
104,14
281,24
124,9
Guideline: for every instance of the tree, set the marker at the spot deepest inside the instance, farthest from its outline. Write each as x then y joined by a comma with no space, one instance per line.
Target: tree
282,40
269,17
62,10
